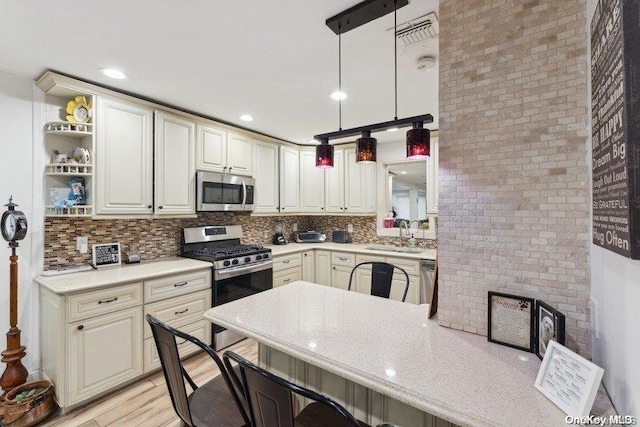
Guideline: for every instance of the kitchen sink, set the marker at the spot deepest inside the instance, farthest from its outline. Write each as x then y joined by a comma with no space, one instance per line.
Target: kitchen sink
395,249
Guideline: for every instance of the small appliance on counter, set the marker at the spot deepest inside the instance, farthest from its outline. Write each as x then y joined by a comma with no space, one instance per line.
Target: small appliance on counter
311,237
341,236
278,237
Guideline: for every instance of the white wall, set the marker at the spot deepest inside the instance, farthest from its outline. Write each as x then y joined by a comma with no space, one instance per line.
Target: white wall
16,178
615,285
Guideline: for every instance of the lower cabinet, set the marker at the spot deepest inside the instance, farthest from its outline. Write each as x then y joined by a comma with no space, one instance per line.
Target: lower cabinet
287,269
94,341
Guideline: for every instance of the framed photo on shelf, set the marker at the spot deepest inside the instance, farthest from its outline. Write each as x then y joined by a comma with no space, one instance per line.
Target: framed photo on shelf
511,321
549,326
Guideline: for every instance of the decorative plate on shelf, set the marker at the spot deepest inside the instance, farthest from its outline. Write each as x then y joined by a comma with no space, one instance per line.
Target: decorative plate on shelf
78,110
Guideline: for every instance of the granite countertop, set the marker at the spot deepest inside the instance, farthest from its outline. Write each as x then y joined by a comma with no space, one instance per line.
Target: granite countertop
359,248
86,280
391,347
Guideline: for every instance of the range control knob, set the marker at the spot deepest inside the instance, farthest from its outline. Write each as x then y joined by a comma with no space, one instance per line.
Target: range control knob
258,257
247,259
226,263
265,256
234,262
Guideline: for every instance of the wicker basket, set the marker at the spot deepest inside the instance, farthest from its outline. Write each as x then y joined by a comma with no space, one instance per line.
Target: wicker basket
31,411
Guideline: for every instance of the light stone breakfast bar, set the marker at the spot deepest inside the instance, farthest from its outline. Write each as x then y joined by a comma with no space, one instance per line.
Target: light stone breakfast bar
384,361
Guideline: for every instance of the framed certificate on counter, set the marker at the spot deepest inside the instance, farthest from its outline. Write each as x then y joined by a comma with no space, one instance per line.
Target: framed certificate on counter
568,380
511,321
106,255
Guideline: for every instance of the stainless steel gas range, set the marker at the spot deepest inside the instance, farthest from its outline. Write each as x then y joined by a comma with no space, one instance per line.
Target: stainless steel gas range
238,270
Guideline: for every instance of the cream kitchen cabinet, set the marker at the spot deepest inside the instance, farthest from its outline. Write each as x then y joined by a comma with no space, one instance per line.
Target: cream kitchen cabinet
308,266
341,265
174,161
362,277
287,269
311,183
289,180
266,174
219,150
124,157
323,267
93,341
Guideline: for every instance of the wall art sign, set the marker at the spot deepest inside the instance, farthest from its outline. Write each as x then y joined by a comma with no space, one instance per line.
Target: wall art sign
106,255
568,380
511,321
549,326
615,89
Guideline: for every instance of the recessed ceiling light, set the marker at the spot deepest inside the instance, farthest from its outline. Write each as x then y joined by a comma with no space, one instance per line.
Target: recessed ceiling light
393,129
246,118
403,172
337,95
113,73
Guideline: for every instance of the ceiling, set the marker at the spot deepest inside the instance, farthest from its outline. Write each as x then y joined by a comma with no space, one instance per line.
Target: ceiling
409,175
276,60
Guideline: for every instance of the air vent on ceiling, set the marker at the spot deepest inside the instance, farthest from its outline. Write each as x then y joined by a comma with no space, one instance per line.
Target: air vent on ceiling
418,30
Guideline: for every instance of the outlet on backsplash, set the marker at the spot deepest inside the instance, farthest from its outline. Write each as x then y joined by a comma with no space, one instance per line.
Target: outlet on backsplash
82,244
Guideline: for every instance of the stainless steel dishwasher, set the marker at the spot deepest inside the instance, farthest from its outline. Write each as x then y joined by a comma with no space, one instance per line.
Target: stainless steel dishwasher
427,280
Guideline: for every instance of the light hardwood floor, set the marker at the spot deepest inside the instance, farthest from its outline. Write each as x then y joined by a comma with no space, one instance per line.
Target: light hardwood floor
146,402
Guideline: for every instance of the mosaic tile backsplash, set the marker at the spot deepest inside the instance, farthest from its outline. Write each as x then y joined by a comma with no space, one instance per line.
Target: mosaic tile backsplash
158,238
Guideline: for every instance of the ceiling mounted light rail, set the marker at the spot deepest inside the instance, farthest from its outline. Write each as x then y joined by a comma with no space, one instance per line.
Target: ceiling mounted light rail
418,138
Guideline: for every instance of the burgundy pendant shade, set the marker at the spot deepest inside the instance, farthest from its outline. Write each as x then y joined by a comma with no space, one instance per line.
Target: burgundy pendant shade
418,142
324,154
366,148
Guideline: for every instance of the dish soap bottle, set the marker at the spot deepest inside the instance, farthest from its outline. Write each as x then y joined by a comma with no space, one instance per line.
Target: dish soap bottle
412,242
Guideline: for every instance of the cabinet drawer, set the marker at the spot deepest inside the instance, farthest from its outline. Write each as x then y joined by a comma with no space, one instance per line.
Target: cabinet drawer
369,258
289,275
411,266
343,258
178,311
200,329
288,261
177,284
90,304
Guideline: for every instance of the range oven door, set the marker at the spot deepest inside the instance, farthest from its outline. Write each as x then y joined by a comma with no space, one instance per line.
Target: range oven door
224,192
234,283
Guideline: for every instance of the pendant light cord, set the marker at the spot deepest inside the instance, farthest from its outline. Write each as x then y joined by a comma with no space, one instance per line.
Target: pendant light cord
340,77
395,54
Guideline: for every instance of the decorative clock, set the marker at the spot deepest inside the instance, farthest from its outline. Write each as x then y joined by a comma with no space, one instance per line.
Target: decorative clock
78,110
13,223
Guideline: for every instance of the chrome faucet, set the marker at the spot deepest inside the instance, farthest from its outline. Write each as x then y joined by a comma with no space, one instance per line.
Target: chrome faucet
403,224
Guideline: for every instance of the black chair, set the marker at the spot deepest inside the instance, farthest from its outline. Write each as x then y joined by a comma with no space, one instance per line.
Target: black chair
270,400
216,403
381,278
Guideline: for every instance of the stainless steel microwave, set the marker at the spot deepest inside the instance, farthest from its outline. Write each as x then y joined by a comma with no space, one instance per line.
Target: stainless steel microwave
224,192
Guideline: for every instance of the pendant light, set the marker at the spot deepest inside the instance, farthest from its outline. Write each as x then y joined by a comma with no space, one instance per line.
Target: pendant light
418,141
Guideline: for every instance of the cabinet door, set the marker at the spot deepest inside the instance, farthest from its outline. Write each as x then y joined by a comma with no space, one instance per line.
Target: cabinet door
124,153
239,154
289,180
308,266
174,165
311,183
334,184
323,268
359,193
340,276
211,151
266,173
104,351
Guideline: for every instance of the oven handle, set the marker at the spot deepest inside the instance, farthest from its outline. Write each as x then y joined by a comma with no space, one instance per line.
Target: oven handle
244,193
242,270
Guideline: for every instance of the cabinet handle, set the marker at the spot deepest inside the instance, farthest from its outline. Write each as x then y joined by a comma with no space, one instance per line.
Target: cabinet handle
107,301
286,280
177,285
343,259
230,168
183,311
180,343
149,206
159,207
80,327
286,261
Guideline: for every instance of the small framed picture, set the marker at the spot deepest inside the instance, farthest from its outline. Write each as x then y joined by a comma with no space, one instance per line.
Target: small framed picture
549,326
511,321
106,255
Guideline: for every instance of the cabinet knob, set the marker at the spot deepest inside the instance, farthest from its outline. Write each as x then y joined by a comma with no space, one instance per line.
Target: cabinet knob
230,167
283,208
149,206
80,327
345,209
159,207
322,207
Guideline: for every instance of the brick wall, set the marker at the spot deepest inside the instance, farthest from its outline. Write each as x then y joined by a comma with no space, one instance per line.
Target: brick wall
514,177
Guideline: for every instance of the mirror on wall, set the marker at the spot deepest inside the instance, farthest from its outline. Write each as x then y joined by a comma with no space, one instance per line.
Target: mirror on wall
406,199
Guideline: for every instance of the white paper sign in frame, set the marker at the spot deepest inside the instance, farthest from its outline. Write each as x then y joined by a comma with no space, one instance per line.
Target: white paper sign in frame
106,255
568,380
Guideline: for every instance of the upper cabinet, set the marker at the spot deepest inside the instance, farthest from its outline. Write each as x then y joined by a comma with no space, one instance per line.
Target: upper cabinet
174,162
311,182
265,172
289,180
219,150
124,158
